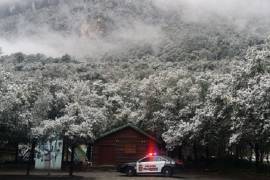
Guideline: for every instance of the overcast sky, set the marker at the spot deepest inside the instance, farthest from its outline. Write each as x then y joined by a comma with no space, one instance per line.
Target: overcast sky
224,7
9,1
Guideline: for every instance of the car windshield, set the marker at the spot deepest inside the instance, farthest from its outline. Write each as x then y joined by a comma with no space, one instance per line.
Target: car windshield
146,159
155,158
167,158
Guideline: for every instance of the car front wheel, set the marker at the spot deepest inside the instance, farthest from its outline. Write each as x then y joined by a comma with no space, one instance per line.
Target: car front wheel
167,171
130,171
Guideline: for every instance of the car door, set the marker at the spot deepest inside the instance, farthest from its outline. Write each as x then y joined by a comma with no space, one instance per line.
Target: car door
160,163
147,165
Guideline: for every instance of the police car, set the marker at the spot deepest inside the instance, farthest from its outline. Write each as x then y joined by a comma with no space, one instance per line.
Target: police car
150,164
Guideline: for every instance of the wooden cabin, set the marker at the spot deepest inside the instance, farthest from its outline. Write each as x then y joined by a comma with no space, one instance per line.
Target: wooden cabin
124,144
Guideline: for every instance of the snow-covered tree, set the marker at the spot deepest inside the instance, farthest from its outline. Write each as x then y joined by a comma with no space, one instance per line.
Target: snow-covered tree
251,102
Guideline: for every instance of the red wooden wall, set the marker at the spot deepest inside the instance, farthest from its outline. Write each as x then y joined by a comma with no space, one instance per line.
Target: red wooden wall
125,145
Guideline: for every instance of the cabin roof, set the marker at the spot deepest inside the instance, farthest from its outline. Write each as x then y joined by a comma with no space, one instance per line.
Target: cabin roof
128,126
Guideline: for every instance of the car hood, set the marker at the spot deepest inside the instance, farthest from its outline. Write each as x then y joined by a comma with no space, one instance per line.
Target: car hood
131,163
124,165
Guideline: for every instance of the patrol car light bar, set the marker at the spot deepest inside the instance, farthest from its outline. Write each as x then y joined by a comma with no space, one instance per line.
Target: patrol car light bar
152,154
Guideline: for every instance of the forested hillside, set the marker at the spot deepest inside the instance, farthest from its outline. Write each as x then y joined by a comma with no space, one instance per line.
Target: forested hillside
123,29
85,67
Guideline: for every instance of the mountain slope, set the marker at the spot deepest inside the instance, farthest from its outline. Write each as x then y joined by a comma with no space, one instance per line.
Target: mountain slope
95,28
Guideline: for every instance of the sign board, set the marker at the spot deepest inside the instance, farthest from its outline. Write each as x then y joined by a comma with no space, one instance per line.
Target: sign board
48,155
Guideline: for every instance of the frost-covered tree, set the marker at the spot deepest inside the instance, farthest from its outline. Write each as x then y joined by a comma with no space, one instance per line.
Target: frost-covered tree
169,100
14,110
251,102
213,129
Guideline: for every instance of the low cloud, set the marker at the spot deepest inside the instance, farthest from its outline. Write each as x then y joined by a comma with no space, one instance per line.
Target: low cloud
56,44
138,32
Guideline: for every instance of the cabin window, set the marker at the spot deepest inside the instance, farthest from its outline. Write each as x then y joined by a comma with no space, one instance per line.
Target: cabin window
130,148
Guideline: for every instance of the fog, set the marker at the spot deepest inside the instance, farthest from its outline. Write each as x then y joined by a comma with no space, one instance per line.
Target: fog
87,40
56,44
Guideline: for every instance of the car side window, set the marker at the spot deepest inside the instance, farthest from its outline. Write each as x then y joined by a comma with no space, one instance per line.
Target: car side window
158,158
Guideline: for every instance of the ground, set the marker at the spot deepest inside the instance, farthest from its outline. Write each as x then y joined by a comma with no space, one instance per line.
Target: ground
111,175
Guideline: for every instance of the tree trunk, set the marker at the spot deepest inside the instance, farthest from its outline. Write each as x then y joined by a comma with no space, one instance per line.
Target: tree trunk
180,153
63,154
261,157
251,153
17,153
31,158
67,152
72,160
89,153
241,152
262,153
250,157
219,152
257,156
236,152
195,151
207,153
